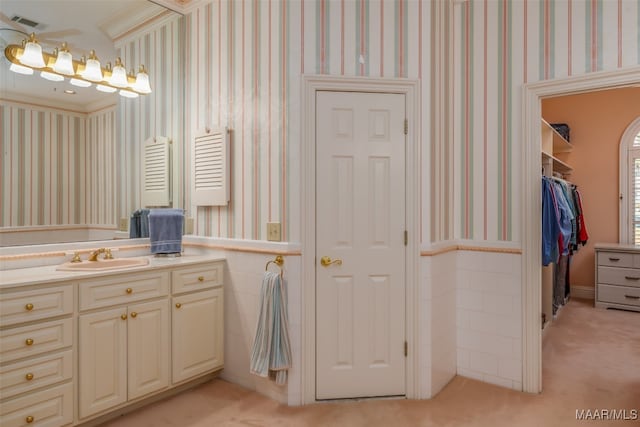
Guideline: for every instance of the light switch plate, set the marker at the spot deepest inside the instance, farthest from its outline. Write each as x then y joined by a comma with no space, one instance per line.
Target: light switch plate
273,231
188,225
124,224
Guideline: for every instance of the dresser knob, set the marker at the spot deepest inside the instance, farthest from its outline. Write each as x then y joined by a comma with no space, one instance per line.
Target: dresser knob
29,419
178,305
123,316
200,278
134,314
28,341
29,376
129,290
29,307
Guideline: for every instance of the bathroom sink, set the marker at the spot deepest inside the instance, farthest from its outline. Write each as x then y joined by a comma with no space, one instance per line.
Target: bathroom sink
103,264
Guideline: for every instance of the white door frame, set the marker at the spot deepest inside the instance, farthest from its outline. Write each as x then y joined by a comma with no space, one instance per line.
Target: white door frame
411,89
531,212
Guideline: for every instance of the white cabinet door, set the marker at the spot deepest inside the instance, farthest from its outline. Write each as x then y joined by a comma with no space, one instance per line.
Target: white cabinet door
102,353
148,348
197,333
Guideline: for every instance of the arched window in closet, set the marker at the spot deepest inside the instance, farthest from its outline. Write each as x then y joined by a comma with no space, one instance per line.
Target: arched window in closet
630,184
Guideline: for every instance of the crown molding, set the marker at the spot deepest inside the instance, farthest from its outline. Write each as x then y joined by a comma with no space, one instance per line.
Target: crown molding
181,6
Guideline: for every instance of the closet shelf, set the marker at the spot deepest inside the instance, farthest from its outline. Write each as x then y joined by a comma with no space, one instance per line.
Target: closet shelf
553,142
558,165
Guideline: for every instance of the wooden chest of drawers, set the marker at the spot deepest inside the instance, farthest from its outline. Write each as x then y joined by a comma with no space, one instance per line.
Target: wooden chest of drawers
618,277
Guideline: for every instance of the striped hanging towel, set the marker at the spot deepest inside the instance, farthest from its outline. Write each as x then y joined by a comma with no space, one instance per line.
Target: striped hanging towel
271,351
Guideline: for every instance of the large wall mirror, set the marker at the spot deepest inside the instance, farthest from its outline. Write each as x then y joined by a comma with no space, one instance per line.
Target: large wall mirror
71,156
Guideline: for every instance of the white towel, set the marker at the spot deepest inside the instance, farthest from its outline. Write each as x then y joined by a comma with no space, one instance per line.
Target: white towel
271,351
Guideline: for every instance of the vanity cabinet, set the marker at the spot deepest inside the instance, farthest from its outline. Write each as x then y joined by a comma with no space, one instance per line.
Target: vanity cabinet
618,276
123,351
36,356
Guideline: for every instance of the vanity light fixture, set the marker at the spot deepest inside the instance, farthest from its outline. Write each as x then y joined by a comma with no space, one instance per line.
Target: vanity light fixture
56,66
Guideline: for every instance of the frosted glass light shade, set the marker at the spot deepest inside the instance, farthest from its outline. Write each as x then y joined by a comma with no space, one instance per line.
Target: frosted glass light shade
21,69
128,94
92,71
79,83
51,76
64,64
142,83
107,89
119,77
32,56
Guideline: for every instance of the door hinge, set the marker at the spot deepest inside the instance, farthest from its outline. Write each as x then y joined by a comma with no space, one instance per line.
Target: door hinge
406,349
406,126
406,237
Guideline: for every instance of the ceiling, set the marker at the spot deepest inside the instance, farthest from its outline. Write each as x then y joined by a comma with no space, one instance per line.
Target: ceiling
84,25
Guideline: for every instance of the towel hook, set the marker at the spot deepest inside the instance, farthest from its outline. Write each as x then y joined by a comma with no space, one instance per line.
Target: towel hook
279,261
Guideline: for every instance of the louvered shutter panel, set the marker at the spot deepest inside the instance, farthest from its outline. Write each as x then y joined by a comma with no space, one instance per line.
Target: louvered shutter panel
636,199
210,168
156,178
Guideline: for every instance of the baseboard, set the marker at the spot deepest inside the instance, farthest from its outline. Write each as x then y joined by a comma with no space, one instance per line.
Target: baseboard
583,292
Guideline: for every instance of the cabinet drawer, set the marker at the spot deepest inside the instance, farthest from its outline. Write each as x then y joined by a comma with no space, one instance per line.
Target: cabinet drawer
619,276
35,339
619,295
122,289
197,278
48,408
35,373
615,259
25,306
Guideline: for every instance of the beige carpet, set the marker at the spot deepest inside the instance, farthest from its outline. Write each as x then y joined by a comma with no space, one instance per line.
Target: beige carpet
591,360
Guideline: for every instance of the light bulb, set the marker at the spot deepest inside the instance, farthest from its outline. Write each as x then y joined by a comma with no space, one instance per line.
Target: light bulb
51,76
118,75
21,69
32,56
142,81
107,89
92,70
64,62
79,83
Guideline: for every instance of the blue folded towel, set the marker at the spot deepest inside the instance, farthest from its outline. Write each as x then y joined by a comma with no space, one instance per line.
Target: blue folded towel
165,230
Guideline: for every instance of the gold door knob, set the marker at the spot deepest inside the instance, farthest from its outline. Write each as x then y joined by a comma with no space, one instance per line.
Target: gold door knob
200,278
326,261
28,307
123,317
29,419
28,341
129,290
134,314
178,305
29,376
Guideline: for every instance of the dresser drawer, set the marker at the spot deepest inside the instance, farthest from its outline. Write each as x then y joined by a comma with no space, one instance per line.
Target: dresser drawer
47,408
197,278
619,276
35,339
615,259
35,373
25,306
122,289
619,295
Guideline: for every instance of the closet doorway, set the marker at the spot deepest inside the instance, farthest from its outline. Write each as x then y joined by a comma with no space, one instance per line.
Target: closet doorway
533,96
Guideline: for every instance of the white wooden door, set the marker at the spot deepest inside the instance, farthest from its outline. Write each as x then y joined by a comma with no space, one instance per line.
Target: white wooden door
148,348
197,333
103,360
360,222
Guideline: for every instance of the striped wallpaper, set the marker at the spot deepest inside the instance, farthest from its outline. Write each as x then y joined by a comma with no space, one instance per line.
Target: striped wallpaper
499,46
159,47
245,61
54,164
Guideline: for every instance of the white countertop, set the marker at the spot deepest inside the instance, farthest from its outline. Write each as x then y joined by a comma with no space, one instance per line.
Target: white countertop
617,247
49,274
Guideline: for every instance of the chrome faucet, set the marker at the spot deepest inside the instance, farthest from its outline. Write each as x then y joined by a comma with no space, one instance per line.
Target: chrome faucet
93,256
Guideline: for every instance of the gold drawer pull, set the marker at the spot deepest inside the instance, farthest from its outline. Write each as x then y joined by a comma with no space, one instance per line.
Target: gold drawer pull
29,376
631,278
178,305
134,314
29,419
200,278
28,307
123,316
28,341
614,259
129,290
631,296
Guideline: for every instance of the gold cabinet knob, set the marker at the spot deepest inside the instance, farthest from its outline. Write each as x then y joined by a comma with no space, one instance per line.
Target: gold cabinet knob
28,341
134,314
178,305
200,278
28,307
123,317
326,261
129,290
29,419
29,376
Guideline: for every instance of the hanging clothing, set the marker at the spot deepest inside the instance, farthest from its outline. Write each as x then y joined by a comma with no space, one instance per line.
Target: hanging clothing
583,236
550,224
566,218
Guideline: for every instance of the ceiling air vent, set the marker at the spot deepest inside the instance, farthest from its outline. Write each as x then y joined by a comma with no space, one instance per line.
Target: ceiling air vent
25,21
